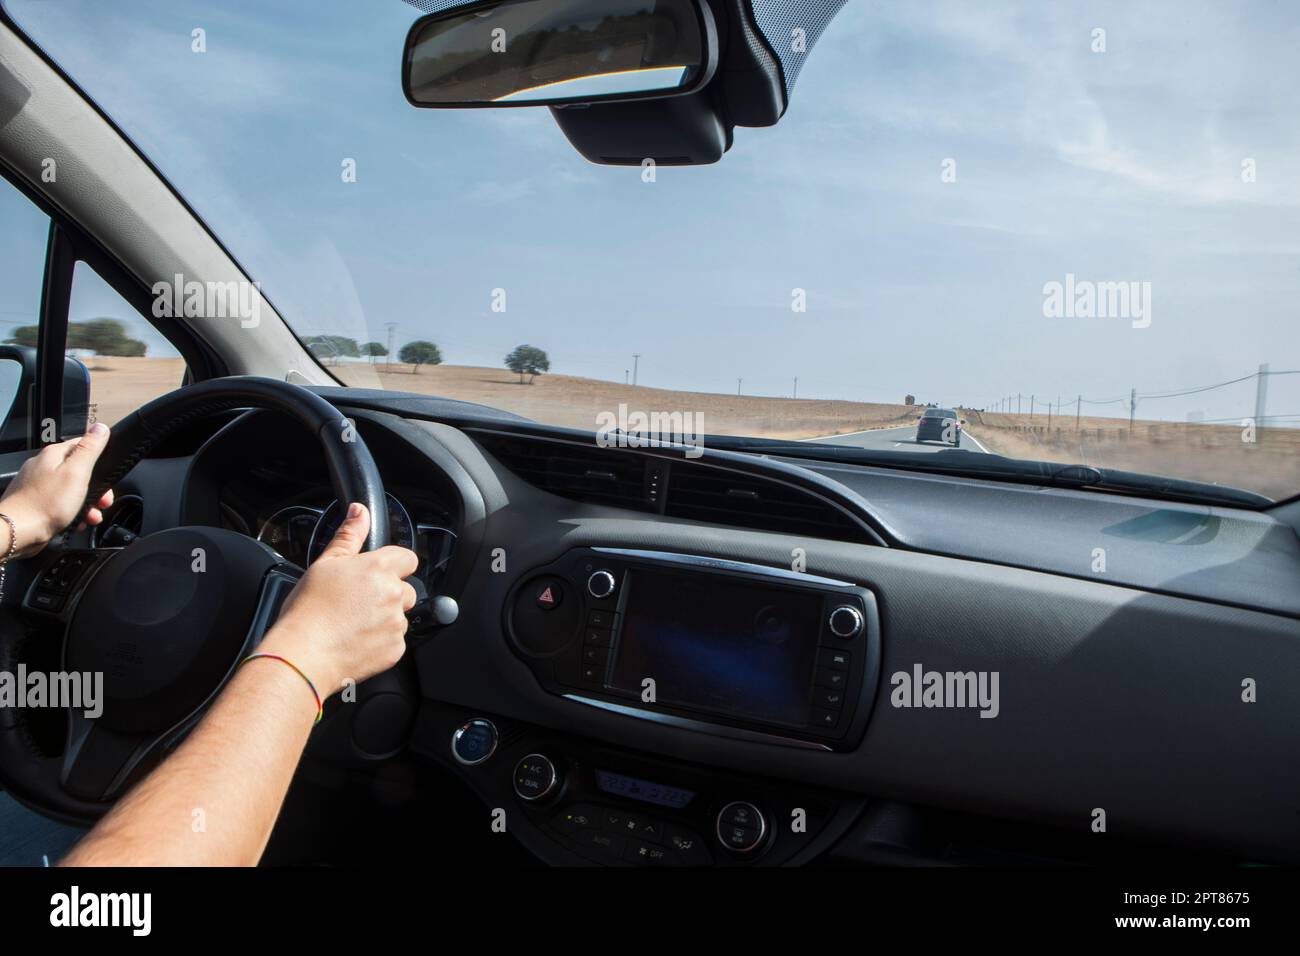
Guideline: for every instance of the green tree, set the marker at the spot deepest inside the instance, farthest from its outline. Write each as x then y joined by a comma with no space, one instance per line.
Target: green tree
374,350
100,336
420,353
528,360
25,335
332,346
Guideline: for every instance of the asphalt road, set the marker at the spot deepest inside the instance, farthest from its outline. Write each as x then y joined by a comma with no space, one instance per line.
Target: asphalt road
900,438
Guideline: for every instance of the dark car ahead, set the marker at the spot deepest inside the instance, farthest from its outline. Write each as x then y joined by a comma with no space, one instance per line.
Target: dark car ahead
939,424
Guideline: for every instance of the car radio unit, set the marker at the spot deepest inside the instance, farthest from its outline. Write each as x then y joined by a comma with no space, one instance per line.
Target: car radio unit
724,647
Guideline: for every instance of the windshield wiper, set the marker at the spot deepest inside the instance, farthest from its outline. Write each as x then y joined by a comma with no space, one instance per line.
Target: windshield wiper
971,464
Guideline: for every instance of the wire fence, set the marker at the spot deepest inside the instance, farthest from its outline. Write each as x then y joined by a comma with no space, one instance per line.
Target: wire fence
1029,405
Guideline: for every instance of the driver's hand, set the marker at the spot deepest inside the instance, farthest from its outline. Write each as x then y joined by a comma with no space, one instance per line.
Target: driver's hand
346,618
47,493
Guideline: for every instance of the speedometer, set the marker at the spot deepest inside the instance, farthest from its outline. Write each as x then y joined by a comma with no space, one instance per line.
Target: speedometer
401,530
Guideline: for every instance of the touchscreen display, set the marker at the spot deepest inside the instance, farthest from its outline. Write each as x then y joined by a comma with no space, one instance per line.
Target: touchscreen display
714,644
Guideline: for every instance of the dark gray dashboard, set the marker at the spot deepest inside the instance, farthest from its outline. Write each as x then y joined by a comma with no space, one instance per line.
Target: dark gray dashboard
1112,698
1119,691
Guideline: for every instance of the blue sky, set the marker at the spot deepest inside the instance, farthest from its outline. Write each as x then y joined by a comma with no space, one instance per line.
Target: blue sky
1115,166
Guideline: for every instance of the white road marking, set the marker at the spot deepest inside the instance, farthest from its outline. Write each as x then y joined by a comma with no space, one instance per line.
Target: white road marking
869,431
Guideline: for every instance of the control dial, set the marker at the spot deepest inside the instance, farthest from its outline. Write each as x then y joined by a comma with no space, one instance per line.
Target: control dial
845,621
601,584
741,827
535,778
474,742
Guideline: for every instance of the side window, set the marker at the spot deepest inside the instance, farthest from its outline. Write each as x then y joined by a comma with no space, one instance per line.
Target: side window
128,361
24,232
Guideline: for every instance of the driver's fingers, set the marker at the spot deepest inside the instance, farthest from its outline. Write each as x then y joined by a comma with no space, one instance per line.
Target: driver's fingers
84,451
93,516
401,561
106,501
351,535
409,596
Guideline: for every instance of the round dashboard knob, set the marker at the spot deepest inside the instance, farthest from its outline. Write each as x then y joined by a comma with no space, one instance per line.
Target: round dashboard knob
741,827
601,584
535,778
845,621
474,741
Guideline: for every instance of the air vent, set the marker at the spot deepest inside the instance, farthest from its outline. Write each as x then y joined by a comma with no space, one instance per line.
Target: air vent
601,476
126,513
626,479
724,497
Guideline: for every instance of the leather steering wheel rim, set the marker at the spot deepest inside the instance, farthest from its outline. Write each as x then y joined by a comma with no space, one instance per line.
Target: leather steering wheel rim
352,470
34,777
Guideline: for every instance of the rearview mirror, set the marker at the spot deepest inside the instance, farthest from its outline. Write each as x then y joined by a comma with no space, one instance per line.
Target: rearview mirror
555,52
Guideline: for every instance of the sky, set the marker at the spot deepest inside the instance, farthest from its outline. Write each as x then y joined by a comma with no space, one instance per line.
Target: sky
1115,165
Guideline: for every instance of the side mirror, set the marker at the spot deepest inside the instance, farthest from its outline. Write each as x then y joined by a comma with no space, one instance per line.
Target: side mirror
17,397
556,52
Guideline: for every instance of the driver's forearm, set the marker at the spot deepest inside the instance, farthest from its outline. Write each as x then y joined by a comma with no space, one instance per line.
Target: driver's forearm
214,801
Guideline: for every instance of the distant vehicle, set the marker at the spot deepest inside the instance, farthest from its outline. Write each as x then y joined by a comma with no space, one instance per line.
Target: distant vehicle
939,424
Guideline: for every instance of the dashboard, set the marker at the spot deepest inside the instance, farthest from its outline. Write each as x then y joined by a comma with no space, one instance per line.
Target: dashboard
727,661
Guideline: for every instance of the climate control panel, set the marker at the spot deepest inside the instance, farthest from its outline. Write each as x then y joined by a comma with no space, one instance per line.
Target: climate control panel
579,801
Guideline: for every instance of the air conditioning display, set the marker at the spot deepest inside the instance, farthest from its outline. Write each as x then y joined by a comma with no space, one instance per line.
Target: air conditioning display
711,644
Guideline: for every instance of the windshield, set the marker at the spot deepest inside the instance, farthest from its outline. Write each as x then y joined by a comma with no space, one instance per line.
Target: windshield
1074,223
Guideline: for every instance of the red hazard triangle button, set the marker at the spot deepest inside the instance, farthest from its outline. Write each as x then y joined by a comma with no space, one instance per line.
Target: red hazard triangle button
549,597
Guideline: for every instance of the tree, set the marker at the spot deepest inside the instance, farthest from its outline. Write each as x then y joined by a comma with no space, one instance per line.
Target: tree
100,336
420,353
27,335
528,360
909,400
374,350
332,346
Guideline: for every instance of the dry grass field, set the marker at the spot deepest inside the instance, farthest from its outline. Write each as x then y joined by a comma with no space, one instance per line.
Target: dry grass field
1270,465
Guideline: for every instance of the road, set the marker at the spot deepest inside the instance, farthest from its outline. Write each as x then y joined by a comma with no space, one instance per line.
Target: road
900,438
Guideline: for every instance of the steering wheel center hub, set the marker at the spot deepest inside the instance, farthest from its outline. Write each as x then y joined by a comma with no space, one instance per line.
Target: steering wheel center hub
164,621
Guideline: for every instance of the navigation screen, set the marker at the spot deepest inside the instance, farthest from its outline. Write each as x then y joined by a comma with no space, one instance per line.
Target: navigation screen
713,644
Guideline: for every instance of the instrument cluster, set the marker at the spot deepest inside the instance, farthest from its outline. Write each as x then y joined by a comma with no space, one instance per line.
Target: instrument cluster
300,530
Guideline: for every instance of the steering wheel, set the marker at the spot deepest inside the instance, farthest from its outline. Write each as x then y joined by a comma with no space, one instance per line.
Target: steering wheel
167,619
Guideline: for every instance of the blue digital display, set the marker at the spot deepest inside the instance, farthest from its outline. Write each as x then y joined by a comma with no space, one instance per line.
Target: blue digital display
718,645
645,790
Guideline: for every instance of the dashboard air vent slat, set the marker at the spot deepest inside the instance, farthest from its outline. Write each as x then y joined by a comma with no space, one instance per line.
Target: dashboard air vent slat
601,476
624,478
722,497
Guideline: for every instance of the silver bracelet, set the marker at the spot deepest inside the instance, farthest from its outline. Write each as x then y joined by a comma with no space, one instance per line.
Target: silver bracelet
13,545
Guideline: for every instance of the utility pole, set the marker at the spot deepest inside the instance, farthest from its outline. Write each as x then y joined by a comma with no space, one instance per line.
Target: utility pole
1132,407
636,359
392,337
1261,399
1017,403
738,381
1078,410
626,376
1031,408
796,386
1049,414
